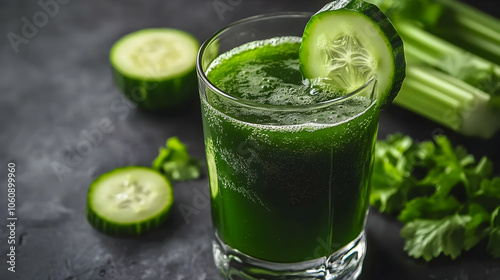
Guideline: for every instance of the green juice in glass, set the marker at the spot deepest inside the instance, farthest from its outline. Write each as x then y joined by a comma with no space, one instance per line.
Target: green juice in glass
287,185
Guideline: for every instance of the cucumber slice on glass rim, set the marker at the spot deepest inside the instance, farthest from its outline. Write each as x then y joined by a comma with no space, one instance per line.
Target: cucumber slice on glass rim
348,42
155,68
129,201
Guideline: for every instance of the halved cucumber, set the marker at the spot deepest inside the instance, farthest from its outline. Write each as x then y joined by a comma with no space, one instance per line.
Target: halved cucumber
155,68
348,42
129,201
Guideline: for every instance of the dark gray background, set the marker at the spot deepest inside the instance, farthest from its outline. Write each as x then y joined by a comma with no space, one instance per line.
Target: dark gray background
59,84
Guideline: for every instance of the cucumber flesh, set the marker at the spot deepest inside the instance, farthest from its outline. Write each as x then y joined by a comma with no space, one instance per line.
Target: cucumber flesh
347,65
153,54
155,67
129,201
348,42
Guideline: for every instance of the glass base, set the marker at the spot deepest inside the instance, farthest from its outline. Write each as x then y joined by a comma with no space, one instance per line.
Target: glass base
344,264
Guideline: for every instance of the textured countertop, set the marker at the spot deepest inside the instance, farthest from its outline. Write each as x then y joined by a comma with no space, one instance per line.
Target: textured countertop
56,86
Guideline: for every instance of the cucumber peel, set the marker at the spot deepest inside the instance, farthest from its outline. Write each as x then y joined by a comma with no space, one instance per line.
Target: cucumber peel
347,43
155,67
129,201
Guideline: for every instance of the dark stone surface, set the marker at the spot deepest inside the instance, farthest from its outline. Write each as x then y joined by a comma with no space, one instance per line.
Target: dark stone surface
59,85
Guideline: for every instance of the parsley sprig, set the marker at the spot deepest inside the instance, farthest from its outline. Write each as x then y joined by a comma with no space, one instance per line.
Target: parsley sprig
447,200
175,162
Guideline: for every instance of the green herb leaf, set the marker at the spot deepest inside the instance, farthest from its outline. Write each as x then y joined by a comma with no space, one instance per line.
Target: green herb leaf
430,238
494,242
488,194
429,208
490,188
445,166
175,161
478,226
390,170
163,156
474,176
446,200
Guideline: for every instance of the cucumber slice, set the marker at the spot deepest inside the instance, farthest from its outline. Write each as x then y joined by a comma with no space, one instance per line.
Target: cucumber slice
129,201
155,68
348,42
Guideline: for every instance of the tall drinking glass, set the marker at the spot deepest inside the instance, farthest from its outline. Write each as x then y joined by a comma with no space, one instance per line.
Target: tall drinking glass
289,183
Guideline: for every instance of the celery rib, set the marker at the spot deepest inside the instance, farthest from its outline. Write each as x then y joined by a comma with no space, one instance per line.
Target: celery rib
470,28
472,19
449,44
448,101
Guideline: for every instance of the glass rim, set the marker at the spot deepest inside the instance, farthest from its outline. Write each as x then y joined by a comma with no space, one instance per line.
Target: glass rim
246,103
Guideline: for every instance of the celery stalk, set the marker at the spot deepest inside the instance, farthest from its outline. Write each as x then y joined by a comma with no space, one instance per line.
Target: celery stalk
469,28
448,101
433,50
450,79
439,96
452,20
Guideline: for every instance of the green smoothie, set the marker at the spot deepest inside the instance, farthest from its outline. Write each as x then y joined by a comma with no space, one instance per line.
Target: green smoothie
289,180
